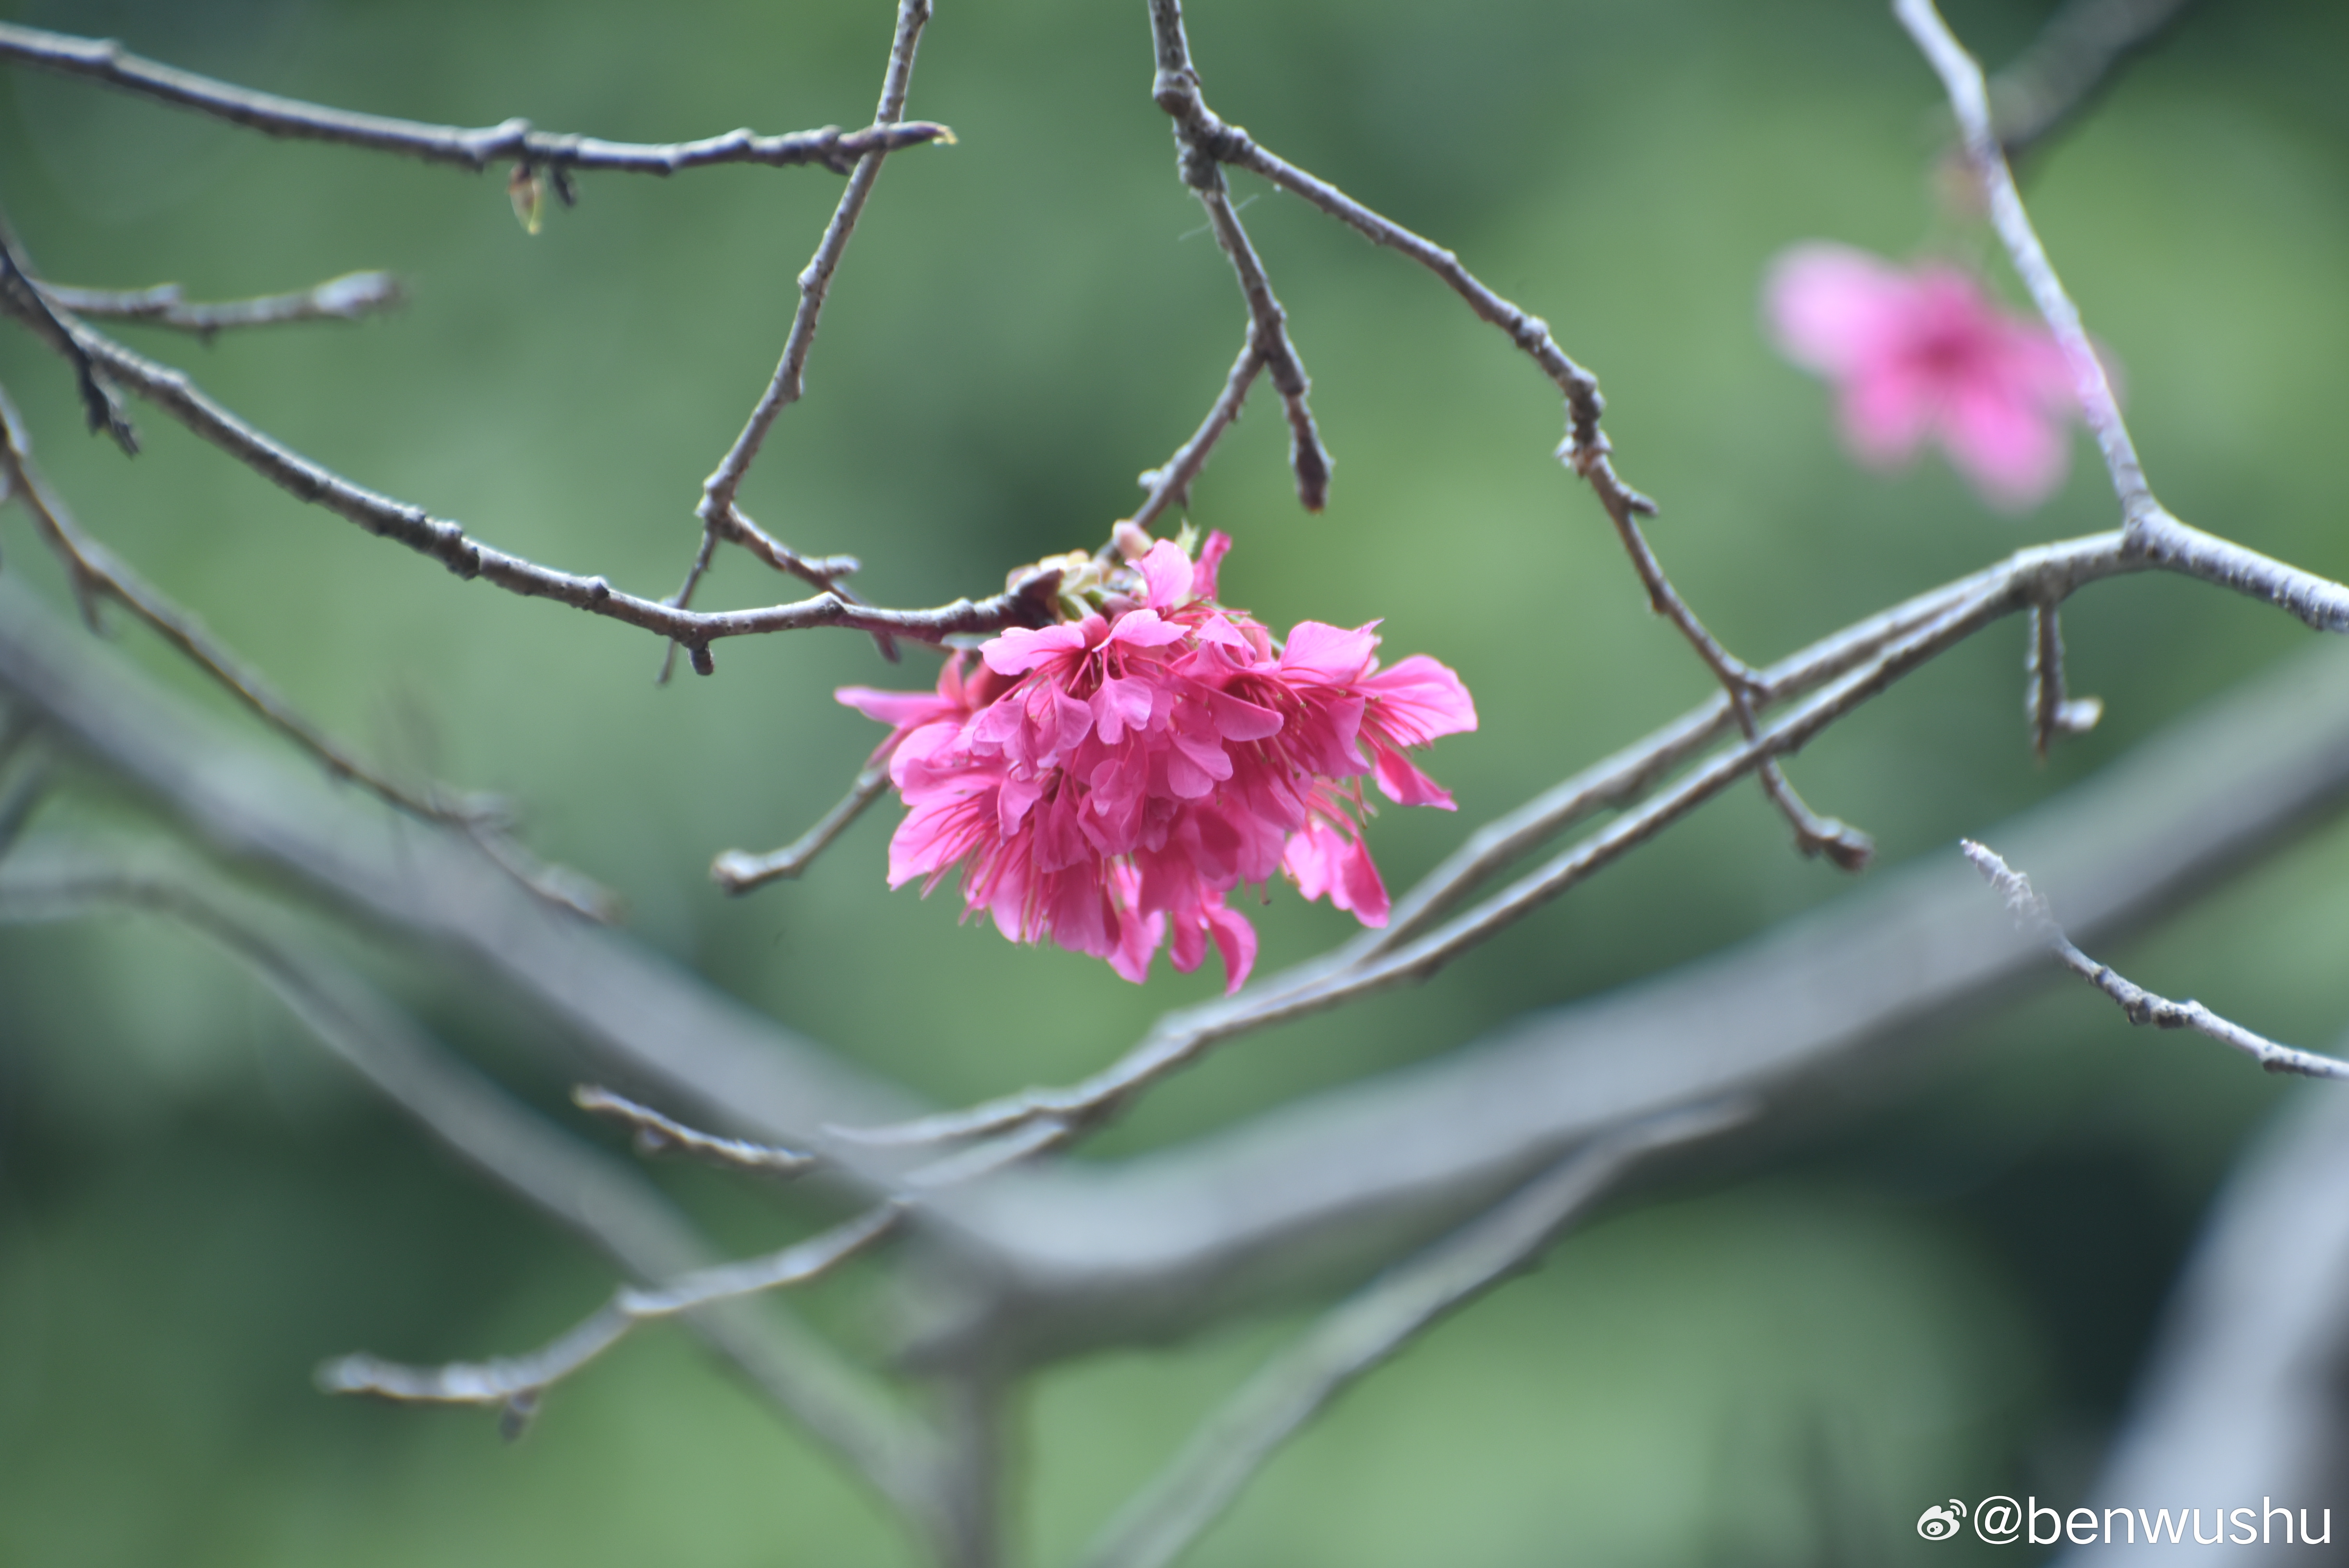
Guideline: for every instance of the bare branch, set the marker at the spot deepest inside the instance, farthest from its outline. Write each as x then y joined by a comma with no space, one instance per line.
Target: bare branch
2036,921
738,872
351,297
658,1134
1026,603
22,297
718,491
1171,485
2070,63
1072,1256
2050,710
1207,141
1361,1332
1268,339
2152,530
1970,98
2239,1397
611,1206
517,1382
97,573
106,61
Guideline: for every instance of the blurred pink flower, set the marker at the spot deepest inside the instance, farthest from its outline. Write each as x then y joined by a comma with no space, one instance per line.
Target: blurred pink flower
1106,781
1923,352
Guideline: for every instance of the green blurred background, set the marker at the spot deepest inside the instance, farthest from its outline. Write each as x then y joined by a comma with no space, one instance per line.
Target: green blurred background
1946,1298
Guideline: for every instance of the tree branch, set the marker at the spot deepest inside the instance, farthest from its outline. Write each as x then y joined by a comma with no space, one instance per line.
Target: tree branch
517,1383
351,297
612,1207
738,872
1268,341
22,297
106,61
1363,1331
96,573
658,1134
720,519
2071,61
1026,603
2239,1397
1170,484
2037,921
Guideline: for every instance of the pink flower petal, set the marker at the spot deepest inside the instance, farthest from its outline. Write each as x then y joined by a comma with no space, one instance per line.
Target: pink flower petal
1167,573
1326,655
1406,785
1019,650
1833,309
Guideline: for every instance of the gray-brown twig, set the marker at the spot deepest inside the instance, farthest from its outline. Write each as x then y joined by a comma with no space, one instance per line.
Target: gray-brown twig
720,519
1027,604
106,61
1207,141
2050,709
97,574
516,1383
738,872
2037,921
1170,484
350,297
658,1134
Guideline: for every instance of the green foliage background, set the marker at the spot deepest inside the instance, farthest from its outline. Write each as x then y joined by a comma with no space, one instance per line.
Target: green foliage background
1944,1298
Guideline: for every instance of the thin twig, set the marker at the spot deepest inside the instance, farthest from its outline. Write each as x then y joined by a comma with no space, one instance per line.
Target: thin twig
1232,1445
2051,711
1970,99
719,516
2037,921
517,1382
738,872
611,1206
1028,602
1207,141
2152,530
97,573
658,1134
351,297
1170,484
1269,337
22,297
2071,61
106,61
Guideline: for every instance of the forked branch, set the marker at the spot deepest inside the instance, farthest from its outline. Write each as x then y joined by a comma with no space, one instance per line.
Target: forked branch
106,61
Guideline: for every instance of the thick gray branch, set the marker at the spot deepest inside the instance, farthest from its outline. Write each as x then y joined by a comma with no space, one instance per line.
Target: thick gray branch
1365,1330
611,1206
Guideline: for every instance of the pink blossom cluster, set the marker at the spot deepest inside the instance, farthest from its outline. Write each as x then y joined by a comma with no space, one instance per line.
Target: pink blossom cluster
1106,781
1924,352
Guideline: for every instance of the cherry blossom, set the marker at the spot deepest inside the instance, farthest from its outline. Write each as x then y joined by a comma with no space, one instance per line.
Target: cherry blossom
1923,352
1107,781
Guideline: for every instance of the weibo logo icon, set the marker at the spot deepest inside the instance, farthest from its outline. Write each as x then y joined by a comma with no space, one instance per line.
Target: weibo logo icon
1941,1522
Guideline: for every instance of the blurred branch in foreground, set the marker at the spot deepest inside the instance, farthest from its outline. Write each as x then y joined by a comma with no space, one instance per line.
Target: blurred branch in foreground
1061,1259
